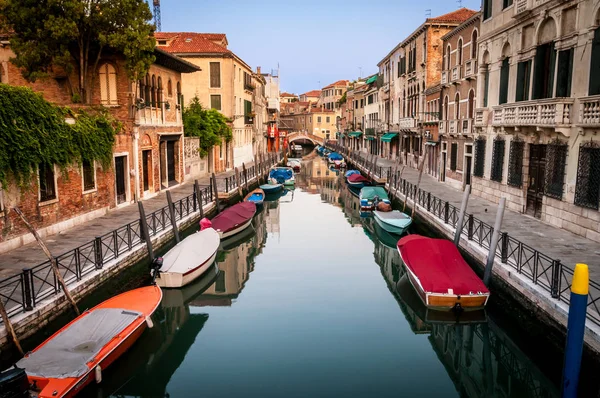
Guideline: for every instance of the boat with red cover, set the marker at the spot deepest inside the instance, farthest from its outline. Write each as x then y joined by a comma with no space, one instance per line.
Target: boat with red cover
358,180
440,275
234,219
77,354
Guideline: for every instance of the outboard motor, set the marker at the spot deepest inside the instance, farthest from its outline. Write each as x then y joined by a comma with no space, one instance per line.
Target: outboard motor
155,266
14,383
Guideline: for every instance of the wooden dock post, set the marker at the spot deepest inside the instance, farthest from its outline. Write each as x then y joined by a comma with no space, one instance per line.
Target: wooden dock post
239,183
461,215
199,198
245,176
145,230
390,180
416,197
487,275
10,328
215,191
53,263
172,216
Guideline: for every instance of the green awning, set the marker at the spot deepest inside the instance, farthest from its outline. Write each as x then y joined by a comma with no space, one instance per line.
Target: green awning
387,137
372,79
355,134
370,138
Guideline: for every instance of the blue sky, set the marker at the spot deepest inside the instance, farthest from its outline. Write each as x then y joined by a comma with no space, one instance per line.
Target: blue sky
314,42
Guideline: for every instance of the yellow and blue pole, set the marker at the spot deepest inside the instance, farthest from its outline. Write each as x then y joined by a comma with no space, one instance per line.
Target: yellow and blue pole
575,331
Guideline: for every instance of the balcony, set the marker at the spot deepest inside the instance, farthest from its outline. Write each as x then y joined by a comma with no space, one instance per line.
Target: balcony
524,7
540,113
589,111
466,126
481,117
452,127
149,116
470,68
386,87
456,73
443,129
407,123
445,77
249,86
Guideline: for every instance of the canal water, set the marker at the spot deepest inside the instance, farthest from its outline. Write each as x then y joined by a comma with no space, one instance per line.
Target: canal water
313,301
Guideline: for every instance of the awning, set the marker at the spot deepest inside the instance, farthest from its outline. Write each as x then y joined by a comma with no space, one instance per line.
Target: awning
355,134
370,138
372,79
387,137
431,143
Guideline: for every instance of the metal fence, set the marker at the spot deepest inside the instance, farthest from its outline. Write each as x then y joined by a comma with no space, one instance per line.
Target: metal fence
544,271
21,292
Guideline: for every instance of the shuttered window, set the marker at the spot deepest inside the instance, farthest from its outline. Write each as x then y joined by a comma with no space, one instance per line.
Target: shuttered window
46,182
248,112
479,157
515,163
587,188
506,3
556,159
486,85
487,9
564,73
497,160
453,155
108,85
504,75
89,176
215,75
523,78
595,65
215,102
543,81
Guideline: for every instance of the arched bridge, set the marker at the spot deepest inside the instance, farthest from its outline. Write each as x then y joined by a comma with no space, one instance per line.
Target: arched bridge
306,137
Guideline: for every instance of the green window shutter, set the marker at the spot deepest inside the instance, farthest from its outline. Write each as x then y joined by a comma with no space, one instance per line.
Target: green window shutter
504,75
486,87
565,72
594,88
523,76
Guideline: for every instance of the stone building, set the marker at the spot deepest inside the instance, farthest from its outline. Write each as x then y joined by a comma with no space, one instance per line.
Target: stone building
431,136
331,94
261,118
311,96
287,97
148,154
357,116
459,88
372,123
411,67
536,119
273,110
225,84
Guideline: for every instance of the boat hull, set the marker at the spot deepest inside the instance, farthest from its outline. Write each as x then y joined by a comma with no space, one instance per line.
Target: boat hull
235,230
394,229
271,188
257,197
178,279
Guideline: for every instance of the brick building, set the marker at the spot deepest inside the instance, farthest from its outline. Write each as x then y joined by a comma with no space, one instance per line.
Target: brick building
431,136
459,88
147,154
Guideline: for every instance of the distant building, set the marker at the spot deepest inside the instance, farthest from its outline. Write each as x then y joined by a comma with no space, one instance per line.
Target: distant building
331,94
287,97
311,96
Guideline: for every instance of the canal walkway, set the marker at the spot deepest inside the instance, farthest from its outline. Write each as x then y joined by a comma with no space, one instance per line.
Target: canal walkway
30,255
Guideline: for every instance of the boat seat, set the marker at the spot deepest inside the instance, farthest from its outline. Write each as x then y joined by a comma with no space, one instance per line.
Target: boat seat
69,352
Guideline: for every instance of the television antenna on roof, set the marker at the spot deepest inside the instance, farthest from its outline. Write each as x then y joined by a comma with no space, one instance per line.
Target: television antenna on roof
157,15
428,13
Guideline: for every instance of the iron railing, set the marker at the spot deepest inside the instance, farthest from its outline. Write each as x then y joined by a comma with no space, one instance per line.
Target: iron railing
541,269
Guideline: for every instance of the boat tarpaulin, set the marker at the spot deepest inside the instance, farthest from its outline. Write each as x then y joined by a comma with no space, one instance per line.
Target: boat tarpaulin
191,252
439,266
350,172
356,178
234,216
281,175
370,192
335,156
69,352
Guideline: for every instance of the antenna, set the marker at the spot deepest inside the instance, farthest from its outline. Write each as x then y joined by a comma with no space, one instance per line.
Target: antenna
459,3
359,72
428,13
157,15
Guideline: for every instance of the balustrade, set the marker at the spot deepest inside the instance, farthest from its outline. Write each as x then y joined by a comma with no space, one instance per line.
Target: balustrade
589,111
556,111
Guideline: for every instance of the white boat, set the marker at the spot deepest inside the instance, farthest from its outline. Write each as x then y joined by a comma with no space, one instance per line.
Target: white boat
189,259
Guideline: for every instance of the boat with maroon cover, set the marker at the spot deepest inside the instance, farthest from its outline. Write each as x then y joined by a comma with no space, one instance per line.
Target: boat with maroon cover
440,275
358,180
234,219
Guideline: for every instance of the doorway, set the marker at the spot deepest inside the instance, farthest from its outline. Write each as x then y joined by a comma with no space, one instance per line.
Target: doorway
120,175
535,187
468,163
169,151
146,167
443,171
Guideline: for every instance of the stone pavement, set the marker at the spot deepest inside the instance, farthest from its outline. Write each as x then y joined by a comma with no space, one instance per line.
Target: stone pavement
30,255
554,242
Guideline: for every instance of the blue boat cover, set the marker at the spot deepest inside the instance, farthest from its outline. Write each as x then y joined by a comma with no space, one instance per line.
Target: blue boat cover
350,172
281,175
335,156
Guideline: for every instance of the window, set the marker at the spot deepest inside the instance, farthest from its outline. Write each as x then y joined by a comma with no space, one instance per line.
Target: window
474,45
506,3
328,119
594,88
248,118
523,77
587,188
47,183
543,77
459,52
447,57
504,75
564,73
215,102
89,175
457,107
453,155
221,151
108,84
215,75
318,119
179,95
147,92
486,85
556,158
169,88
370,99
487,9
515,163
159,95
497,159
153,92
479,157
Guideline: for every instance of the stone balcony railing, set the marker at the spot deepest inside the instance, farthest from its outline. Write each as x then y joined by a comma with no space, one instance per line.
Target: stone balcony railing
443,127
445,76
452,126
407,123
466,126
546,112
589,111
481,117
456,73
523,7
149,116
386,87
470,68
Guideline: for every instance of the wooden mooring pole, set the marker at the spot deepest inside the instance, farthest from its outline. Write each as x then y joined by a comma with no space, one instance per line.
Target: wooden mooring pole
172,216
415,197
487,275
215,191
53,263
10,328
245,176
461,215
239,183
145,230
199,198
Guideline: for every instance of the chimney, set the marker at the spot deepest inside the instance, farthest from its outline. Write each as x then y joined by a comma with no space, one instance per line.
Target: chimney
258,70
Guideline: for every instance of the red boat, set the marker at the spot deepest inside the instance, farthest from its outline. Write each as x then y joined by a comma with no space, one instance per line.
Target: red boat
358,180
234,219
77,354
440,275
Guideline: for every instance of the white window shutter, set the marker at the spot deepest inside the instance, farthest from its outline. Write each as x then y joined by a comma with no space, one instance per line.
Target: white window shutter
112,85
103,84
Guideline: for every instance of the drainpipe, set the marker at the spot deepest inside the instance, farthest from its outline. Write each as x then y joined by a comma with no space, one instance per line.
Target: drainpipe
136,164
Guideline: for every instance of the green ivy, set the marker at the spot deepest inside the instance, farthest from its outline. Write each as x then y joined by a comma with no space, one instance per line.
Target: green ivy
208,124
33,131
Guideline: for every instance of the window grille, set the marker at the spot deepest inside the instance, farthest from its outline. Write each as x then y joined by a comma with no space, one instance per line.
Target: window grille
556,158
89,180
587,188
479,157
453,155
46,181
515,163
497,159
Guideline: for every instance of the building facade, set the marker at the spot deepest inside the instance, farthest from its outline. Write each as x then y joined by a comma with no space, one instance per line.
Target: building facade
331,94
536,119
311,96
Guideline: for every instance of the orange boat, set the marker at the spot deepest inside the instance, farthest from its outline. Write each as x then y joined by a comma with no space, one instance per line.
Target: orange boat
77,354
